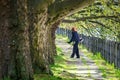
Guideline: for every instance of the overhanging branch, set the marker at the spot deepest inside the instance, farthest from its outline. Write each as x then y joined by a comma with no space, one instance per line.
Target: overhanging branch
100,24
58,10
86,18
87,30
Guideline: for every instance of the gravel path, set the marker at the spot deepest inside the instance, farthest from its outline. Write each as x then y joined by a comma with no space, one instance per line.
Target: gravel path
83,68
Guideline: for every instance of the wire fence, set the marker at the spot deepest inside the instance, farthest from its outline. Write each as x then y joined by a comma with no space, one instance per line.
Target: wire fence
109,50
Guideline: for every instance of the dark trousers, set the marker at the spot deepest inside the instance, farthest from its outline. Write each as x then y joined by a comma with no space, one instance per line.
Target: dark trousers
75,50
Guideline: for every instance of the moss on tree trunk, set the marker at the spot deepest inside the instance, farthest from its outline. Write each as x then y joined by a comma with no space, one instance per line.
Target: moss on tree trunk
15,57
20,57
27,35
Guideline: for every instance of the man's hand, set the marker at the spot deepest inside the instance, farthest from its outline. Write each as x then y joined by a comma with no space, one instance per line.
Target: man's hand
68,42
81,39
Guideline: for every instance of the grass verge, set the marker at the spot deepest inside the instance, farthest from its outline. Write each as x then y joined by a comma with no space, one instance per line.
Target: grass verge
108,70
58,69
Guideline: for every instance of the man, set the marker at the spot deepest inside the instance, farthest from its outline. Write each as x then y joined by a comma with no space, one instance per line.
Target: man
75,38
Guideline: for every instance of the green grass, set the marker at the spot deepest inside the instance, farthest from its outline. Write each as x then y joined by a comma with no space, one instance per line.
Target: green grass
65,38
7,78
45,77
108,70
58,69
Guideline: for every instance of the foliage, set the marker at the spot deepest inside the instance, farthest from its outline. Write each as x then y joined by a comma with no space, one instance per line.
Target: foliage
100,20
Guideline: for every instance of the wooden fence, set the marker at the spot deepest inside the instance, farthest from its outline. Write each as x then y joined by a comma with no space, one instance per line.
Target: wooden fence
109,50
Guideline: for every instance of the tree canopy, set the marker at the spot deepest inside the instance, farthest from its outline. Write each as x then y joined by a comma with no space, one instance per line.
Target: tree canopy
102,19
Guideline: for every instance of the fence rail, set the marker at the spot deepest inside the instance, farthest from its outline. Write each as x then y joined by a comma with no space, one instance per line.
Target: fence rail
110,50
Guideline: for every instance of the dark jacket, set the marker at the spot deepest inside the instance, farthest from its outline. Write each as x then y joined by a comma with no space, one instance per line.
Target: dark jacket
75,37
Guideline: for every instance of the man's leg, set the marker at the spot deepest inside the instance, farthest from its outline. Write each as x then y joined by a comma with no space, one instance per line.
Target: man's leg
72,55
77,50
77,53
74,51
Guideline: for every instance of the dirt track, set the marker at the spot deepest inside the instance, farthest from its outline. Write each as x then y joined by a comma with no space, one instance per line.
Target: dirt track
83,68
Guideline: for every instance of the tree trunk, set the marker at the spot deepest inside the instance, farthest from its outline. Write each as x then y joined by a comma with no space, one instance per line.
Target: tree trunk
39,42
42,33
20,59
27,35
51,41
15,60
4,38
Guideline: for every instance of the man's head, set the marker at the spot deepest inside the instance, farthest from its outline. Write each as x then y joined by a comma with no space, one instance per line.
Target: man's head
74,29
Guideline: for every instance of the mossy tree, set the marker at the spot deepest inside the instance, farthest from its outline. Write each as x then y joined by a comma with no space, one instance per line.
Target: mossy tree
27,34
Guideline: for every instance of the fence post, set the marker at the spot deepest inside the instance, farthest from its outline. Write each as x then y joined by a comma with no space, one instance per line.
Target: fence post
115,57
118,55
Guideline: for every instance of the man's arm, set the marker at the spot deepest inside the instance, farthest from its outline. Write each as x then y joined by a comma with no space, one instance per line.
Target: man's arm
71,38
